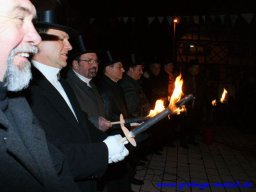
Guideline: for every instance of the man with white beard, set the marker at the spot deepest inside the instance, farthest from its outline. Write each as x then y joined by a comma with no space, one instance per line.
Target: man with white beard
18,77
27,162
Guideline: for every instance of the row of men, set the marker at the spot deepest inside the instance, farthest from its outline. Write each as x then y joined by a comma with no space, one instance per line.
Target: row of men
56,145
66,142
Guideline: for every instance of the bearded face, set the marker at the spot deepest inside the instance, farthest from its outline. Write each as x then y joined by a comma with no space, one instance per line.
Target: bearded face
18,74
92,72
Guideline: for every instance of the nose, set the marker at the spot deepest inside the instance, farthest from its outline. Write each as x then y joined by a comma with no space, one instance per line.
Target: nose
68,45
33,36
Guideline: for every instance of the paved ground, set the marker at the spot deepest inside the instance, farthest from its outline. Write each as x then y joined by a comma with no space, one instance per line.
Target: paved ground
227,164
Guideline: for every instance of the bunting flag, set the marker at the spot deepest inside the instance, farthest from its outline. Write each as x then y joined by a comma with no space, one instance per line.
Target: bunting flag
248,17
196,19
222,18
125,19
233,18
212,18
92,20
150,19
160,19
169,19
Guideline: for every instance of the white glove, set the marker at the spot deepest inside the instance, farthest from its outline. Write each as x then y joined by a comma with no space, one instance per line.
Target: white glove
116,149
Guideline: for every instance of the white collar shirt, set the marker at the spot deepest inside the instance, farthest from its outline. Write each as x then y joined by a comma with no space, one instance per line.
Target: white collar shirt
51,74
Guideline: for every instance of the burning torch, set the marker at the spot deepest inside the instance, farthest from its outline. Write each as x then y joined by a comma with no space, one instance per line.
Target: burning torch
175,106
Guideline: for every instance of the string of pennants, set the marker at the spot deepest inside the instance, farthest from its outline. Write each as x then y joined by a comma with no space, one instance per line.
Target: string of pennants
233,18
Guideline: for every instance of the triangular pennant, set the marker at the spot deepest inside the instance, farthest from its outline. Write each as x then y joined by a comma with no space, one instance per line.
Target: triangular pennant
196,19
125,19
222,18
248,17
150,19
203,18
169,19
233,18
92,20
160,19
212,18
217,19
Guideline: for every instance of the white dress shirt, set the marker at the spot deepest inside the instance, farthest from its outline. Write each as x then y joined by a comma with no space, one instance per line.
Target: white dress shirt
51,74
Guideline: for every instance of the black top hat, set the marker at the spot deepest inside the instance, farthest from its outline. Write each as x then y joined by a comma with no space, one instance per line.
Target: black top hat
110,57
136,59
79,47
133,59
49,19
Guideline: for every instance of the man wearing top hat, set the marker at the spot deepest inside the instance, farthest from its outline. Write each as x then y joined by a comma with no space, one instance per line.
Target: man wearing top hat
28,162
84,65
55,105
137,106
137,102
117,177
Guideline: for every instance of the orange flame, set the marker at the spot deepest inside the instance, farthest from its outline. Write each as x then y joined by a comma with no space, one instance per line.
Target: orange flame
176,95
159,107
223,96
222,99
214,102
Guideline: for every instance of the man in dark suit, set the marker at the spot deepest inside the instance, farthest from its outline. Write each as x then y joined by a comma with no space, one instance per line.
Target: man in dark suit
193,118
55,105
83,68
27,162
118,175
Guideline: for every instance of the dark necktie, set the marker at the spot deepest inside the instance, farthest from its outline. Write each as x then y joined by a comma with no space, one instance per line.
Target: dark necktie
58,76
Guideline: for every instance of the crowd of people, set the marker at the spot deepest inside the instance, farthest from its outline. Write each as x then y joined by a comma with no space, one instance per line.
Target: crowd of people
59,99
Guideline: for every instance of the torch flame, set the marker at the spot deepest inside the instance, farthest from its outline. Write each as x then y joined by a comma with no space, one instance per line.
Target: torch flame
214,102
159,107
223,96
177,94
222,99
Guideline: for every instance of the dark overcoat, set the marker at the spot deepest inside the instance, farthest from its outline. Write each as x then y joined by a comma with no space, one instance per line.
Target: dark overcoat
88,97
114,102
87,158
28,163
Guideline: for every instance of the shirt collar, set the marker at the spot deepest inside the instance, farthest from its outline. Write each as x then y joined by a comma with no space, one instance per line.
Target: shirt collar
49,72
84,79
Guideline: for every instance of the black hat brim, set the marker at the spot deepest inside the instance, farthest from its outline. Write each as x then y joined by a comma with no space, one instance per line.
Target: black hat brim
70,31
77,54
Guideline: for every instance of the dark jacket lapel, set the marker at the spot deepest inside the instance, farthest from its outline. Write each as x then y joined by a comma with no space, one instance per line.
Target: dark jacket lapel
53,96
72,99
83,89
82,85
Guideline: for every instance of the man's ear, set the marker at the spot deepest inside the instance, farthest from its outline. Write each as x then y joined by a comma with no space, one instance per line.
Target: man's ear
75,64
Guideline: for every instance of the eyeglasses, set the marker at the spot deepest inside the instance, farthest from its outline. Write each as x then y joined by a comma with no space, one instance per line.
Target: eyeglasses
90,61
